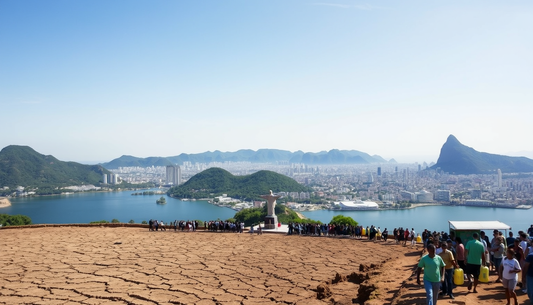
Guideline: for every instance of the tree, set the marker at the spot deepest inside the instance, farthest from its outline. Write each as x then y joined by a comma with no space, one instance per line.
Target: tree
144,222
343,220
131,221
250,216
115,220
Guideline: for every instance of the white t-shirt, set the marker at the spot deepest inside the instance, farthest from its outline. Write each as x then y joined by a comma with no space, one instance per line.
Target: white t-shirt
508,265
523,244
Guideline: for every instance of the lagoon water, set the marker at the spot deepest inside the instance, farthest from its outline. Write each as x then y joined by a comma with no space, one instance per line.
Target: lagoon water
87,207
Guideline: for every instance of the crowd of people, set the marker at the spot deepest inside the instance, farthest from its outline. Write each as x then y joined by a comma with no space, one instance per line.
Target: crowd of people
373,233
181,225
506,257
191,226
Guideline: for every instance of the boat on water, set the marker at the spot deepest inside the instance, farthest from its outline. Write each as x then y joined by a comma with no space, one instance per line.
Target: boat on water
356,205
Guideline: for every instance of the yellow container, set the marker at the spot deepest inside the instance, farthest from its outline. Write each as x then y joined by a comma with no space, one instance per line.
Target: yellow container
458,277
484,274
418,239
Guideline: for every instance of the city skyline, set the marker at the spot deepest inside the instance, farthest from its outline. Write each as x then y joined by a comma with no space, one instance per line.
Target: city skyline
90,82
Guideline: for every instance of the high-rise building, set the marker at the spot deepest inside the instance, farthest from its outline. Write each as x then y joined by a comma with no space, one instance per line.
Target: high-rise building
475,194
499,178
104,178
443,195
379,171
173,174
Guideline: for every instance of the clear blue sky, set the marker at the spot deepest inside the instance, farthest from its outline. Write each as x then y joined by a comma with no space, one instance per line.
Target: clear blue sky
93,80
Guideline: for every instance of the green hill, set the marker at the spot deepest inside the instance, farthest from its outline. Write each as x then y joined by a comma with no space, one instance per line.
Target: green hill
23,166
460,159
216,181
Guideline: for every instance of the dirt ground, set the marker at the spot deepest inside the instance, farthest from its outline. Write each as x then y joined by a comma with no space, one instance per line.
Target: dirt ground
99,265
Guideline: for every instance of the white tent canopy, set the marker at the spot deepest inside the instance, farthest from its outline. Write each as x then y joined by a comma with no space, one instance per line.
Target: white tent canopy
478,225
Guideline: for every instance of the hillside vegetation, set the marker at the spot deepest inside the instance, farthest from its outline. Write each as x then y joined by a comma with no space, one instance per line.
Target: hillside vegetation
21,165
216,181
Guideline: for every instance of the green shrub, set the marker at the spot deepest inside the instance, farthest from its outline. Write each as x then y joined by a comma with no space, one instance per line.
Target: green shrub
115,220
343,220
14,220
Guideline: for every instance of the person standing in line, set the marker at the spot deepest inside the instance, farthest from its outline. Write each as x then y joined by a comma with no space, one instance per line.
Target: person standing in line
509,270
433,274
486,243
460,250
424,239
500,234
449,260
475,257
498,253
385,235
510,240
412,235
523,247
491,252
528,271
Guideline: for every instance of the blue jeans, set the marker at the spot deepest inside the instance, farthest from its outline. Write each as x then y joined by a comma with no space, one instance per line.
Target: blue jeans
529,285
432,292
447,286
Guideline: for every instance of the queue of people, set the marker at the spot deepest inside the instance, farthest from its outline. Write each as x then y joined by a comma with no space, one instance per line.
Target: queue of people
155,225
505,257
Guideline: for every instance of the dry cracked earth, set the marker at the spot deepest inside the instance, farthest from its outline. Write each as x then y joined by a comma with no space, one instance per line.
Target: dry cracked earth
99,265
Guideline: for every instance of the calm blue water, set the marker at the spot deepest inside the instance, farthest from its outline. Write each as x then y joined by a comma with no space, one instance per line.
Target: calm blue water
87,207
433,218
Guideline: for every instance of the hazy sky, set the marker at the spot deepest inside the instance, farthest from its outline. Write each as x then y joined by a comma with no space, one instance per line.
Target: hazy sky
93,80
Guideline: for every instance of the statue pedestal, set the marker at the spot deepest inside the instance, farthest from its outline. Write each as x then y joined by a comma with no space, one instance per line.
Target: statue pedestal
271,222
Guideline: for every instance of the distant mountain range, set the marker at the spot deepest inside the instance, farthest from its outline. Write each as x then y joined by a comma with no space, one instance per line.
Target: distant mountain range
23,166
333,156
217,181
456,158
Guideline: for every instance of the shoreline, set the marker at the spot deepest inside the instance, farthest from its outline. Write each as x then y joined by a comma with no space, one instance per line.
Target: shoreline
4,202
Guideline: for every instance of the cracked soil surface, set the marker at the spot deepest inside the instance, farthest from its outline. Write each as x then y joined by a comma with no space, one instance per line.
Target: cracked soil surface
99,265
